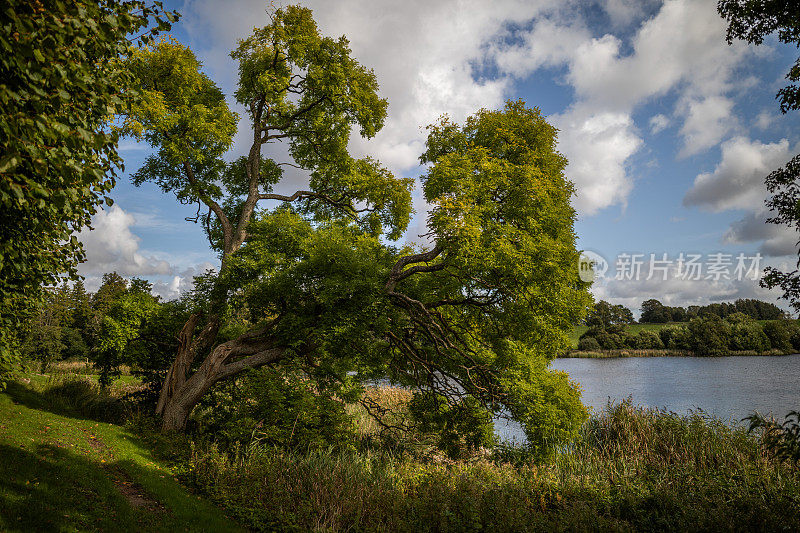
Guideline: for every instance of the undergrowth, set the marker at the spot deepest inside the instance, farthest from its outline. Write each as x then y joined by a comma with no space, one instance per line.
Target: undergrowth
631,469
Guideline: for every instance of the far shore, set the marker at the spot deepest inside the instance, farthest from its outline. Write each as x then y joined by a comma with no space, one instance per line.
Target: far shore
613,354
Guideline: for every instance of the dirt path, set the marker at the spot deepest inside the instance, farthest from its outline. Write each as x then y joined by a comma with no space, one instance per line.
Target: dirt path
134,493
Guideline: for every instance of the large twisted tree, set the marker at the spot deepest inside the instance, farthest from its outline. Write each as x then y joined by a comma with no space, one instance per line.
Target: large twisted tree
469,322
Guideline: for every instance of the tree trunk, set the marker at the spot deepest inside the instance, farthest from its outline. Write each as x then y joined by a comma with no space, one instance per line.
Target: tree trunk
179,394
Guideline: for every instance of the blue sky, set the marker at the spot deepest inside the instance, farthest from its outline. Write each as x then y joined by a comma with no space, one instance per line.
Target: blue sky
669,131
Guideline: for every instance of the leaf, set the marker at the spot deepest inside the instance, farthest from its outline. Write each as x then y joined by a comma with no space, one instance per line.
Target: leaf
9,162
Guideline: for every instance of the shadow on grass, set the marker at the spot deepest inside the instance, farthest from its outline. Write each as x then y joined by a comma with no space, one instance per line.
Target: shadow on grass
75,399
49,488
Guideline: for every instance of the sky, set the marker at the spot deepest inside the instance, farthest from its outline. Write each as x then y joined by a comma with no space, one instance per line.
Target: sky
669,131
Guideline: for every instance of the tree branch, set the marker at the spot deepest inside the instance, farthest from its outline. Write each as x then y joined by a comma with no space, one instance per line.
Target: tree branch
227,229
256,360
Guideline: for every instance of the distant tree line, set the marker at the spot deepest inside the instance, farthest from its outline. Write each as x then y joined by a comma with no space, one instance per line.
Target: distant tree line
654,312
604,314
122,323
704,335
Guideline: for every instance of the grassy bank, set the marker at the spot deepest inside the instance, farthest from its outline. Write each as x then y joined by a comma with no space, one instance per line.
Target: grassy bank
631,469
63,470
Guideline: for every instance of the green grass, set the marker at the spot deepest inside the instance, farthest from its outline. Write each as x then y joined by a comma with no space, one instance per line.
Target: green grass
631,469
577,331
62,471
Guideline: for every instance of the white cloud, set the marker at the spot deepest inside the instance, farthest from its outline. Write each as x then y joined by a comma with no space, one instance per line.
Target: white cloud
428,57
764,120
658,123
738,183
623,12
597,146
423,54
112,247
707,122
180,283
549,42
682,45
738,180
695,61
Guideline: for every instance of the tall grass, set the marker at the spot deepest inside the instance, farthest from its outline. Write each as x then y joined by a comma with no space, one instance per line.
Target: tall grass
77,396
632,468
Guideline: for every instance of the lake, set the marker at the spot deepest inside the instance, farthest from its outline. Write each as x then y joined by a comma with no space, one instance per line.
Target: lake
729,388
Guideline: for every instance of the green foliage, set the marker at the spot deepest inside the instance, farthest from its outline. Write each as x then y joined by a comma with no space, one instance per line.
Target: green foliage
276,407
43,344
780,439
654,312
151,352
603,314
121,324
588,344
297,87
779,335
630,469
676,337
709,335
747,334
311,283
184,114
612,337
461,428
648,340
75,346
546,403
60,86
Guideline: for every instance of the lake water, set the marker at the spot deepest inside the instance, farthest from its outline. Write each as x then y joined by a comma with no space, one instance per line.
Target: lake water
729,388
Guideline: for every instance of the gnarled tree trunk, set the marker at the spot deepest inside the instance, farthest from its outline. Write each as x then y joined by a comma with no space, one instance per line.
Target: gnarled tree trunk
181,392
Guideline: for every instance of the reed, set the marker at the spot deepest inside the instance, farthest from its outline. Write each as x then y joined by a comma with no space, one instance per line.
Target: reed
631,468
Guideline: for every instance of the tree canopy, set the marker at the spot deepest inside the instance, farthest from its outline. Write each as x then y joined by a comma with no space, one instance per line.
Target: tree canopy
469,321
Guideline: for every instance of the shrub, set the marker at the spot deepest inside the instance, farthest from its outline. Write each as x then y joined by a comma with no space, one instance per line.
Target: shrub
779,335
648,340
278,408
746,334
675,338
588,344
460,428
709,335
